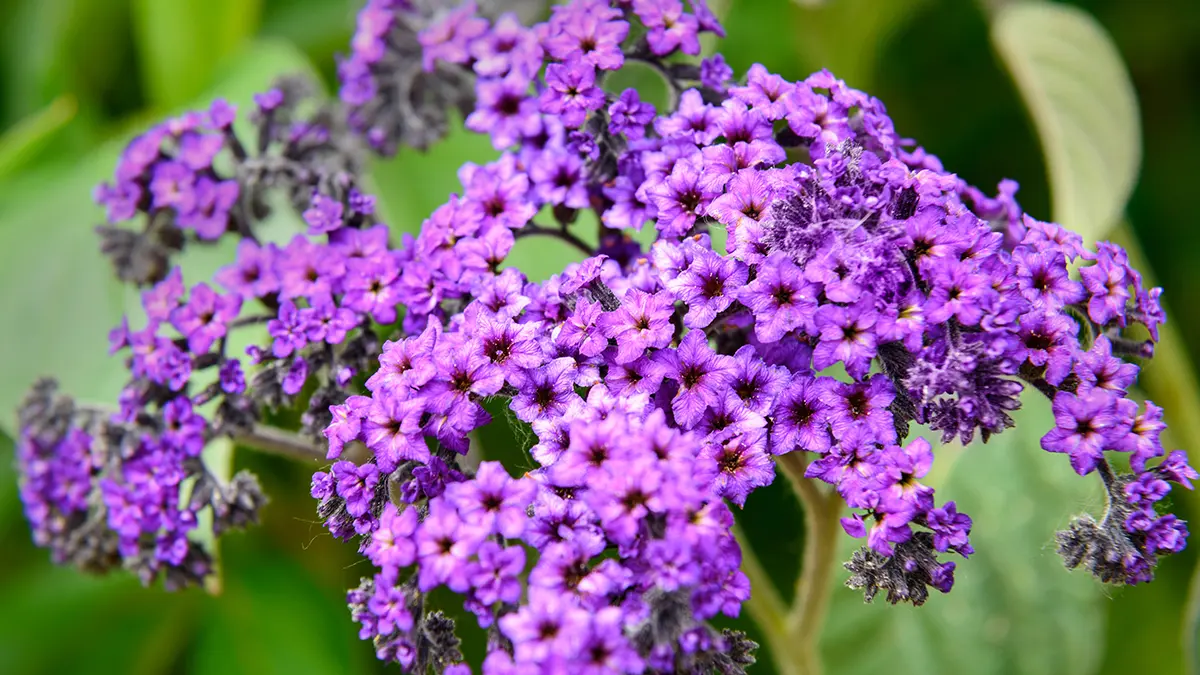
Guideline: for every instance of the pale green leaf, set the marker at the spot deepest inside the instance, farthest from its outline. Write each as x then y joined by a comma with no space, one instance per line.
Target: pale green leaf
1014,608
1083,105
23,140
182,41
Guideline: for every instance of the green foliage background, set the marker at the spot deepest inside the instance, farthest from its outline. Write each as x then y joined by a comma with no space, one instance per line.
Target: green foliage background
78,77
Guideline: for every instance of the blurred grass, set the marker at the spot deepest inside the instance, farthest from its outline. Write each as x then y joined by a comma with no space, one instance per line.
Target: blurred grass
124,62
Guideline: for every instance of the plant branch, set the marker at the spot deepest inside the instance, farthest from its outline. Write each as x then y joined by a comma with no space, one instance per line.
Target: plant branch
821,510
279,442
532,229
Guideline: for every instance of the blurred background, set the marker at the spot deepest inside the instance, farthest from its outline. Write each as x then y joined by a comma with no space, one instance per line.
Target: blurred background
78,77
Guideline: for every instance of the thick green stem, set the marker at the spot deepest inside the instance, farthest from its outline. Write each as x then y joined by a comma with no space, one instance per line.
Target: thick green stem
821,510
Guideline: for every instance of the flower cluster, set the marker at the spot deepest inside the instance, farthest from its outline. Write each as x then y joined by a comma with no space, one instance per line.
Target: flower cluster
935,301
815,287
127,486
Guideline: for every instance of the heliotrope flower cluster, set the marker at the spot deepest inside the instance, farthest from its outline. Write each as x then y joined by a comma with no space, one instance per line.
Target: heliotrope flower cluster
816,286
127,486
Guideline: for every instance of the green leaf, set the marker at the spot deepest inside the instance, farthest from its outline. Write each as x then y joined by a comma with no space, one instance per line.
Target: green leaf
61,297
1014,607
1083,105
274,617
181,41
24,139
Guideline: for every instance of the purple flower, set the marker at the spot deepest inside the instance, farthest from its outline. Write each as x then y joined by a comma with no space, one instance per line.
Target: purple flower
801,416
1176,468
203,320
356,485
629,115
495,577
546,391
392,544
885,529
669,27
846,336
714,72
289,330
742,465
707,287
493,501
444,544
1085,425
951,529
324,215
449,38
642,322
862,405
780,299
590,37
702,374
549,625
505,110
571,92
253,275
1107,286
1097,368
372,286
326,322
384,432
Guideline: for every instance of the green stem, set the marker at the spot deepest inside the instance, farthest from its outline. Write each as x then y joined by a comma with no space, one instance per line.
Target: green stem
767,610
807,614
279,442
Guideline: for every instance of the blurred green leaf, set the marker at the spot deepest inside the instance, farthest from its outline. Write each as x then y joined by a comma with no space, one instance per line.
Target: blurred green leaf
1014,608
847,36
182,41
64,297
274,618
1083,104
23,139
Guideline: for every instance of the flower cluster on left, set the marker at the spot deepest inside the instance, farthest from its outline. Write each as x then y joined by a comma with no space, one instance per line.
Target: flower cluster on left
129,486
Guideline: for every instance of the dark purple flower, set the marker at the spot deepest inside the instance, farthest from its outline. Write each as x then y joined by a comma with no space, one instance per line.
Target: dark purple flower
546,391
801,416
703,376
1085,426
951,529
742,463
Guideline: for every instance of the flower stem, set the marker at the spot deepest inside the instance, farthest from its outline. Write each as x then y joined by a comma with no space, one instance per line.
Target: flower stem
821,510
532,229
279,442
